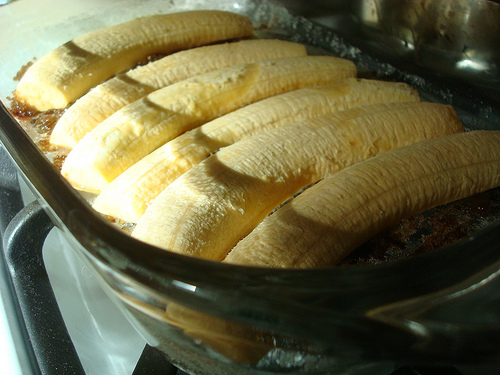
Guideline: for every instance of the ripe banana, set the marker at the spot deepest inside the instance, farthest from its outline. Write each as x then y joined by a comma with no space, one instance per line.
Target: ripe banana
328,221
105,99
239,343
128,196
142,126
69,71
207,210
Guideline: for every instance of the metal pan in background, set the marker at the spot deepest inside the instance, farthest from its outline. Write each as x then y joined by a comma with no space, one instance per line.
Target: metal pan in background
456,39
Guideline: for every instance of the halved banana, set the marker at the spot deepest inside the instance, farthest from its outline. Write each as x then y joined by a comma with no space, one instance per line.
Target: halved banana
325,223
239,343
67,72
207,210
105,99
141,127
128,196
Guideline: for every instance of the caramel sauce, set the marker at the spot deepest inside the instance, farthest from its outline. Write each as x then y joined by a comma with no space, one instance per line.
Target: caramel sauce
430,230
39,127
23,70
21,110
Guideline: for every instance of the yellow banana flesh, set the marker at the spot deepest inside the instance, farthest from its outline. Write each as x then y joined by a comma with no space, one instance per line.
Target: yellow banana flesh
207,210
144,125
105,99
328,221
232,340
128,196
67,72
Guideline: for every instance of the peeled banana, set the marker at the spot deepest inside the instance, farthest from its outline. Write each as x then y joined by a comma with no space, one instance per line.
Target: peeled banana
67,72
207,210
239,343
128,196
144,125
328,221
105,99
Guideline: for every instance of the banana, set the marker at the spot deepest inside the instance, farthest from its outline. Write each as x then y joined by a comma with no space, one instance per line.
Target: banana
105,99
328,221
67,72
128,196
142,126
239,343
207,210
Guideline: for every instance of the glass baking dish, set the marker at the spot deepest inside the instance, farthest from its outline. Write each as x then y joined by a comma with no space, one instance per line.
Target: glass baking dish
212,318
